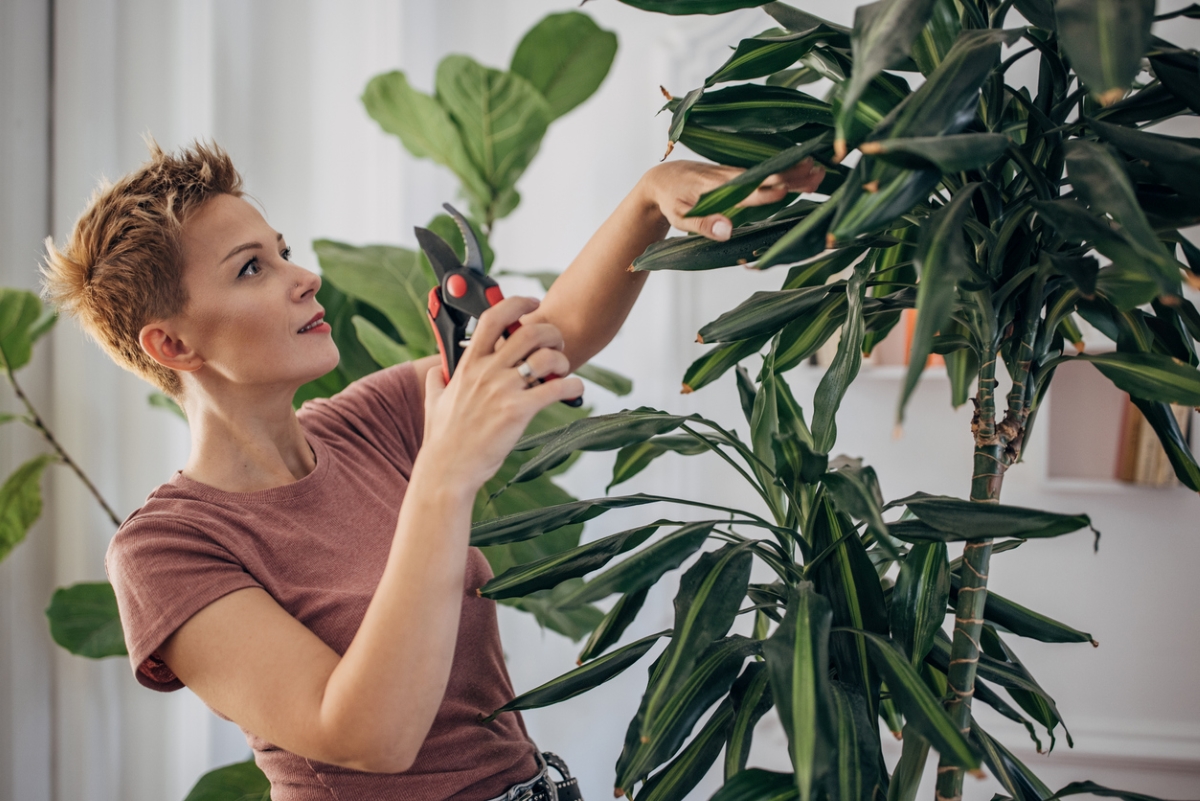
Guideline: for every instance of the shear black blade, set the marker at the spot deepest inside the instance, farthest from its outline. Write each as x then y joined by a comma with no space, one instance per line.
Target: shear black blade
474,253
441,255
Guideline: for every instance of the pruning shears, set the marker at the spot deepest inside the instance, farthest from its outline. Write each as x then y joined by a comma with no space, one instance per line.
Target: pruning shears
463,293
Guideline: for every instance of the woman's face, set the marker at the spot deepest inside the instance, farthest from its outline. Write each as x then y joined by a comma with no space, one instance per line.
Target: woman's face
252,315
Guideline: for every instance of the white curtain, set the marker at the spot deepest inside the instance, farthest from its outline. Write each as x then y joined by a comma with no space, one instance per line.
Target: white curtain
276,82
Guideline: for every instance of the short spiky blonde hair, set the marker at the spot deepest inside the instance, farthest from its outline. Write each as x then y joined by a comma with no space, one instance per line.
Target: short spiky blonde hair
122,265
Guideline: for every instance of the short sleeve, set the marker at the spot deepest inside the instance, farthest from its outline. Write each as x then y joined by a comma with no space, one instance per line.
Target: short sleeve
385,408
164,571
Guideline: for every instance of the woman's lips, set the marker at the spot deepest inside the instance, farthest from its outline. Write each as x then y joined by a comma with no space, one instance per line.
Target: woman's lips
316,325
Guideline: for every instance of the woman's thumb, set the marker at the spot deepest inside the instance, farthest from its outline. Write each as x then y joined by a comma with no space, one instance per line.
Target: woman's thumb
714,226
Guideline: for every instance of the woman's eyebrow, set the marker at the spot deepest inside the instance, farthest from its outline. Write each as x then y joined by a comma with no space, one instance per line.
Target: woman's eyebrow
248,246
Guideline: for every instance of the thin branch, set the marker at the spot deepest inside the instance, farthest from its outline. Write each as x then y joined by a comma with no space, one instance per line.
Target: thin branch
35,420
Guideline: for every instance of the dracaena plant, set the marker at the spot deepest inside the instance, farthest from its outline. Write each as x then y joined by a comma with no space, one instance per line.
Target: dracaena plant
1003,214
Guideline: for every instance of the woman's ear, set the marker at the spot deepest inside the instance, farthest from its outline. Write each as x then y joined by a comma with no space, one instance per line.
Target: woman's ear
162,343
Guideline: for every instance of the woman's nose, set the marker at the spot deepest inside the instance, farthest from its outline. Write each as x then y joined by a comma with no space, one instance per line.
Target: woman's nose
307,283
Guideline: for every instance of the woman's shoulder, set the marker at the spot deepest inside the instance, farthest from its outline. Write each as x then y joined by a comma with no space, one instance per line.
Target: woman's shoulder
384,409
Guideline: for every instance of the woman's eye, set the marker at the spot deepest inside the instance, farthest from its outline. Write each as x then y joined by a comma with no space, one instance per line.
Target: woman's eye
249,268
286,254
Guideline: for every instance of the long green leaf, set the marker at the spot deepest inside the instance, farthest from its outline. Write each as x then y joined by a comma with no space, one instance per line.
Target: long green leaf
906,778
751,108
84,620
647,566
806,239
553,570
918,606
532,522
797,656
610,629
1022,621
1149,376
581,679
599,433
846,363
1008,770
1178,451
921,709
943,261
857,756
718,361
847,578
633,459
762,314
883,35
21,501
953,153
1077,788
722,199
1105,41
710,593
685,771
649,745
763,55
968,520
746,244
757,784
1173,159
565,57
692,6
752,699
1103,184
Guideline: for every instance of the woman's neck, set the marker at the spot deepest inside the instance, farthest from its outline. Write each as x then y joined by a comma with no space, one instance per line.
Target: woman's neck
246,442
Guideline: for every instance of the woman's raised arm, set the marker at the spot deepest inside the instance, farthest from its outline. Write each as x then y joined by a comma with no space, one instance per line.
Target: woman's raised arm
593,296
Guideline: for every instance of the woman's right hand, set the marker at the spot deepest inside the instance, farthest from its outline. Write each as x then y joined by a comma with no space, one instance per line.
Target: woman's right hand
472,423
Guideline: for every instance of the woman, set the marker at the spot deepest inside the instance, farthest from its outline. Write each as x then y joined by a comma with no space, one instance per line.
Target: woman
308,574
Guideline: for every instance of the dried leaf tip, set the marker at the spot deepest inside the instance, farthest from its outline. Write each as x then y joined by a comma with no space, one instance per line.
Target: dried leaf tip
666,94
670,147
618,792
871,148
1079,346
830,240
978,773
898,431
700,339
645,740
839,150
1110,96
686,390
479,592
1095,643
898,735
871,186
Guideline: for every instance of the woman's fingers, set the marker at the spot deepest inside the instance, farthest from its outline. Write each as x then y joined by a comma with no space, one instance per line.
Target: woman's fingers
545,362
494,322
526,340
714,226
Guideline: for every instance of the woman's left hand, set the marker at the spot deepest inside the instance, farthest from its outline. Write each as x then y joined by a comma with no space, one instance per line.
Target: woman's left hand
675,186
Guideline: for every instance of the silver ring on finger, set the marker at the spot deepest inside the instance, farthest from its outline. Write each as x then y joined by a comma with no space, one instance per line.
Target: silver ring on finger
526,372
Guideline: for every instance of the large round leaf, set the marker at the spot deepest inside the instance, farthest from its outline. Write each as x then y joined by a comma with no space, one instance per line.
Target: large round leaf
85,621
565,57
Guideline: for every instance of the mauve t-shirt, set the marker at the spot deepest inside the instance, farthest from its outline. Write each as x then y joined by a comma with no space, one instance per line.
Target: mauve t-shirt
318,546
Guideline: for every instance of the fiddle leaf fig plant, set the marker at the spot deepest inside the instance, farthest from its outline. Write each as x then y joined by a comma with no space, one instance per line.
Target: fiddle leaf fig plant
1004,214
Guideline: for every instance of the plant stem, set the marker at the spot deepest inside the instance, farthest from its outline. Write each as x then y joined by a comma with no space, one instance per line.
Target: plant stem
986,481
35,420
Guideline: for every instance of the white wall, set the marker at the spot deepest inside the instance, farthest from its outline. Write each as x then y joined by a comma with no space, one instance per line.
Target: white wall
277,83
